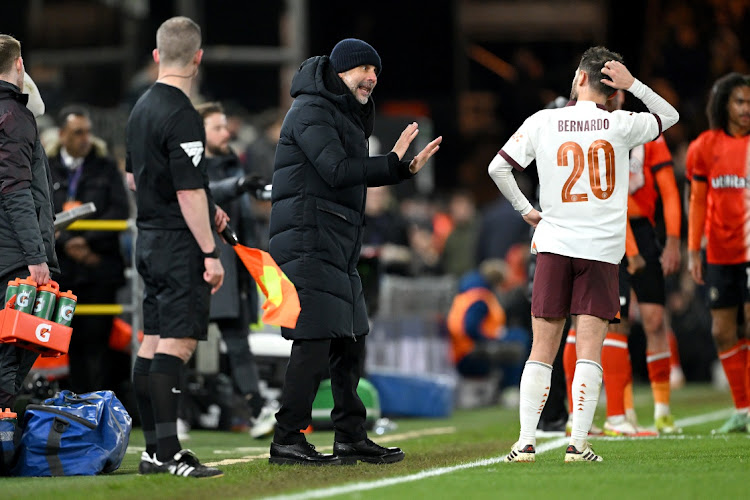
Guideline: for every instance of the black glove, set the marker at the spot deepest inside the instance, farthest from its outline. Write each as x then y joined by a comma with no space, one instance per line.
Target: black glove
250,182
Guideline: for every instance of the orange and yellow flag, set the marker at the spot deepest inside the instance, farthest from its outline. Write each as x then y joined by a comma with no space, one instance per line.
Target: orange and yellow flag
282,302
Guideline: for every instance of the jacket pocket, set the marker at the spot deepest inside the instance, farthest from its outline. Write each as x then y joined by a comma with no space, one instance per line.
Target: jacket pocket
337,233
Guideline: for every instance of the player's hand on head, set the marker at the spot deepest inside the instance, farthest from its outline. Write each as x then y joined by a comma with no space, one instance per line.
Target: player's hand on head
620,77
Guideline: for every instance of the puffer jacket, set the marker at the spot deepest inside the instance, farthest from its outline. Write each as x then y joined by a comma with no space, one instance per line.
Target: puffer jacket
322,170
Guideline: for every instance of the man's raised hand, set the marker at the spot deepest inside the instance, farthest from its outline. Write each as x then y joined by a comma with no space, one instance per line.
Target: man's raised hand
418,162
403,142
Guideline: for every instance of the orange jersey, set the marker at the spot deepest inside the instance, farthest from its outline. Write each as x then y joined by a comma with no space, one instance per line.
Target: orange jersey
720,196
658,172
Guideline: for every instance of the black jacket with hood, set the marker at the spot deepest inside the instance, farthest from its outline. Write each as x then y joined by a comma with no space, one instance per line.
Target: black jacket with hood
26,219
321,173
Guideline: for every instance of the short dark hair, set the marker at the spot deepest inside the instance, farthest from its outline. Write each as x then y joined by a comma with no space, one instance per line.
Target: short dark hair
716,109
209,108
10,50
592,63
72,109
177,40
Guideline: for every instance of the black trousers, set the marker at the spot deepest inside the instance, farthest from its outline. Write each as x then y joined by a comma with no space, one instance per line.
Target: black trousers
311,361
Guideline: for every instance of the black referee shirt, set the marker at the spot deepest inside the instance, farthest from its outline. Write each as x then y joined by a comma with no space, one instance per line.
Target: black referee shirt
165,141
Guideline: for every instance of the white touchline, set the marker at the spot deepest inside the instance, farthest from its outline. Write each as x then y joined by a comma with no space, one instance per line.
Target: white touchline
542,448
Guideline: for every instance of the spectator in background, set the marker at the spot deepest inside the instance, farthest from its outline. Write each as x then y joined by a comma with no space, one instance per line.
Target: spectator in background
26,219
91,263
459,253
235,305
480,341
385,244
500,228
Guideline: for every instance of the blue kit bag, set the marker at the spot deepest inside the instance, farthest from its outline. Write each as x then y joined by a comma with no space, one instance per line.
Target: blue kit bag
73,435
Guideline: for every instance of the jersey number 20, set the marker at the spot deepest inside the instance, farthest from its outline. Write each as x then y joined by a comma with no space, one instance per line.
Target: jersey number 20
594,164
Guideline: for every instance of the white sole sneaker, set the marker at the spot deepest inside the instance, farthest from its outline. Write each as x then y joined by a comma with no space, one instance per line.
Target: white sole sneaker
517,454
585,455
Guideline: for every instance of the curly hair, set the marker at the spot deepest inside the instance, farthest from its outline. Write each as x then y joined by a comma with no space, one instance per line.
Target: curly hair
716,109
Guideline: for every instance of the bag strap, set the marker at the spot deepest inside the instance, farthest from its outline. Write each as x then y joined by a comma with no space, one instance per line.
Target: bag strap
56,431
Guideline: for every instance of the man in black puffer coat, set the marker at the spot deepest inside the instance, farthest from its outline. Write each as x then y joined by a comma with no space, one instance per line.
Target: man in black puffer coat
321,173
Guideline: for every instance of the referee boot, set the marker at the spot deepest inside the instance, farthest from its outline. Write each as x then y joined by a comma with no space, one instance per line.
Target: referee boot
302,453
366,451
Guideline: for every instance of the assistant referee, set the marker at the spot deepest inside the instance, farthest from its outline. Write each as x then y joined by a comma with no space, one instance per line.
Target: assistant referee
175,251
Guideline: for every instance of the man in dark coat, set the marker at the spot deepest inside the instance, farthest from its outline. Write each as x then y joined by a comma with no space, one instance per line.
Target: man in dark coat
26,219
91,262
321,173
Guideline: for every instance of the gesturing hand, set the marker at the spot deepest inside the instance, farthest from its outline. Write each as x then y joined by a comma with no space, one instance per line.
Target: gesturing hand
403,142
418,162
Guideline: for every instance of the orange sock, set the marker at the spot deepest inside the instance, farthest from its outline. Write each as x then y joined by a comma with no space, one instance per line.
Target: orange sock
674,352
628,398
569,364
617,372
734,362
658,374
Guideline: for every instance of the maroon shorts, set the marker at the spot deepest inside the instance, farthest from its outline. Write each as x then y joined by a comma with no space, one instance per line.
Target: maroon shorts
568,285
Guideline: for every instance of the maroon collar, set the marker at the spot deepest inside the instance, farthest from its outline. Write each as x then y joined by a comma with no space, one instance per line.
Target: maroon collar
573,102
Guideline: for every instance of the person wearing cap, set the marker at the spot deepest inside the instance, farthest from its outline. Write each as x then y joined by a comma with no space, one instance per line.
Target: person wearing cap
321,173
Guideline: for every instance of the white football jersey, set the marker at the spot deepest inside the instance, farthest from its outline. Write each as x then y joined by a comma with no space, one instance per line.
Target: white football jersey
581,153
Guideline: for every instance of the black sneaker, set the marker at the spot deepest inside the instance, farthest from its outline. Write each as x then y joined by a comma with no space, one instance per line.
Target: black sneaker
186,464
366,451
150,465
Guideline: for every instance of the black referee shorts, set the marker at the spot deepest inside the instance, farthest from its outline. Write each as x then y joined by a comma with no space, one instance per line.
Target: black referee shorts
176,298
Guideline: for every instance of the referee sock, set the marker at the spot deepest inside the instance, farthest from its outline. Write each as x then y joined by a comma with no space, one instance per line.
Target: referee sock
569,364
617,372
658,374
734,362
141,369
587,383
535,384
165,393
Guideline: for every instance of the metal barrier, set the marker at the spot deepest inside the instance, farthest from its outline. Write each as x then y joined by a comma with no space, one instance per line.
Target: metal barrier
133,308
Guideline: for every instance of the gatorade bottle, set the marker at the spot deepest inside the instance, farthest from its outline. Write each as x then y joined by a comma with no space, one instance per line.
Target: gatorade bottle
8,421
66,306
11,290
25,295
46,296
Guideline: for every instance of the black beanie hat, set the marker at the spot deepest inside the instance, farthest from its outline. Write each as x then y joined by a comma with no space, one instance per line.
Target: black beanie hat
352,52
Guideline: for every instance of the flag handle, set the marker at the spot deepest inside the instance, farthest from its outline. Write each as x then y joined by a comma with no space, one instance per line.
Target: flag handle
230,236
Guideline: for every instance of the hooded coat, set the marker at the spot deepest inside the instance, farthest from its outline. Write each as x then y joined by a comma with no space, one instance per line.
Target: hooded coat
322,170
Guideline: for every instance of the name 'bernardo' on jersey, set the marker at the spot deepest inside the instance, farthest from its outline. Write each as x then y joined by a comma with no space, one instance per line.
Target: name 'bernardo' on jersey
582,125
730,181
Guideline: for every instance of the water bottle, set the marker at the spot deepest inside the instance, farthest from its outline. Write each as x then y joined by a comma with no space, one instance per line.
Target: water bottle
46,296
8,422
11,290
66,306
25,295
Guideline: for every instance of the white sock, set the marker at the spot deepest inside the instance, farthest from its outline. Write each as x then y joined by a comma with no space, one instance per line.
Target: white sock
661,410
587,382
535,382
